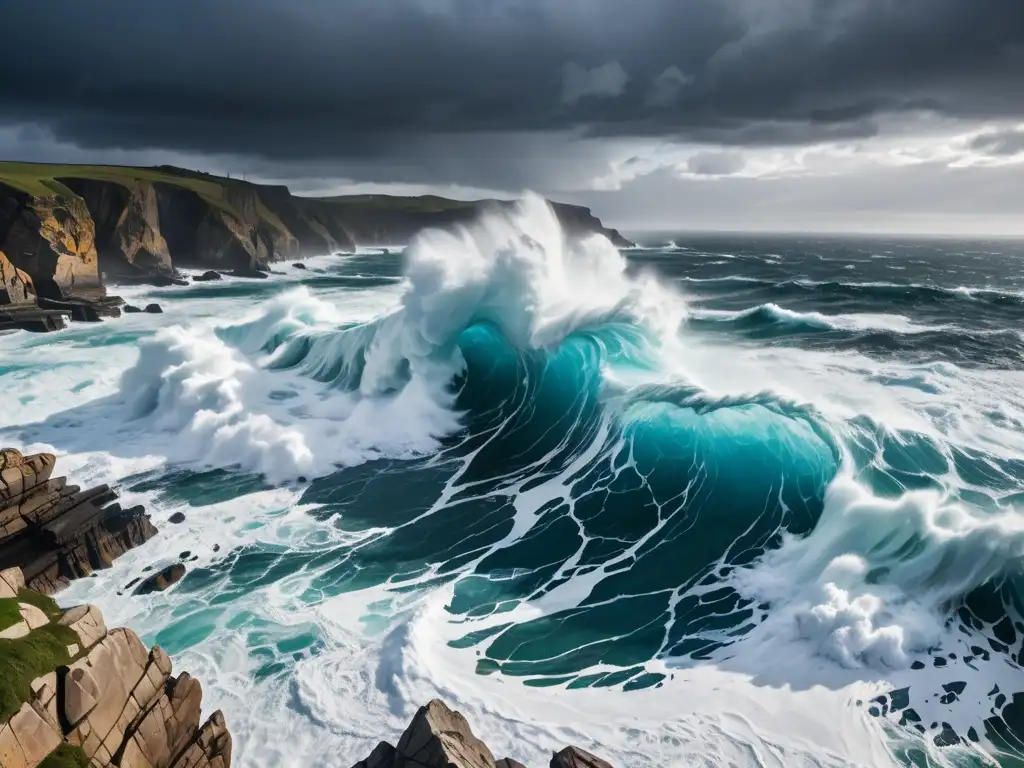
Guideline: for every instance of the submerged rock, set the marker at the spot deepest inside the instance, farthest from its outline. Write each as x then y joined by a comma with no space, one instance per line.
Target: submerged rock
299,265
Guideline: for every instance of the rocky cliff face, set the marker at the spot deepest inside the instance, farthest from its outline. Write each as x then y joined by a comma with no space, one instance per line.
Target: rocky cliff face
74,694
65,230
55,532
52,238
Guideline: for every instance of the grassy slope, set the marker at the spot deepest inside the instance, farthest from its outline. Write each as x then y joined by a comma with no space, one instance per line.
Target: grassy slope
66,756
23,660
41,179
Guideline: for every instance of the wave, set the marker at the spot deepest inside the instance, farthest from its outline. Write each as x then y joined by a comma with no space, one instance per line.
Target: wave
525,434
893,293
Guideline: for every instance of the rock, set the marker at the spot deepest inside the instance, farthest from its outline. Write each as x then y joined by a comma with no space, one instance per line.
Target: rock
299,265
207,276
382,756
57,532
34,735
13,580
574,757
15,631
153,309
177,518
508,762
161,581
86,621
32,616
439,737
131,309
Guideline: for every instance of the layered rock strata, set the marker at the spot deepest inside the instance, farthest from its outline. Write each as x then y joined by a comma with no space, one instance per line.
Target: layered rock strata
55,531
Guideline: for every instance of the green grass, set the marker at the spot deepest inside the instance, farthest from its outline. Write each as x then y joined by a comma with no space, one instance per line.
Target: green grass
23,660
9,615
66,756
43,602
42,179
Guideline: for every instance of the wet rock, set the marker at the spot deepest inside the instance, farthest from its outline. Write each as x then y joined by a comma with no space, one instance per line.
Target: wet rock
56,532
439,737
161,580
131,309
508,762
207,276
177,518
298,265
154,309
574,757
185,555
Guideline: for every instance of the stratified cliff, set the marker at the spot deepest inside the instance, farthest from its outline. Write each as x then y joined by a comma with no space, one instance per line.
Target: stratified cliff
67,230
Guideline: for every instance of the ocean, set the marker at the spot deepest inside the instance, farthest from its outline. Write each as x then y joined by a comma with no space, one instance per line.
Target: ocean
713,501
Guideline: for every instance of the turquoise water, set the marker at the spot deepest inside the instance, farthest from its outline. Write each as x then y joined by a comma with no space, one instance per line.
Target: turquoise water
747,502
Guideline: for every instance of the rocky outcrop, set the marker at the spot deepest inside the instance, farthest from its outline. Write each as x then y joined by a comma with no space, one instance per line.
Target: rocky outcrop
128,237
106,699
56,532
439,737
49,265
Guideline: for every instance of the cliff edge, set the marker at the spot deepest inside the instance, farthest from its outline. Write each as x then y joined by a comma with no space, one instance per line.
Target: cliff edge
66,231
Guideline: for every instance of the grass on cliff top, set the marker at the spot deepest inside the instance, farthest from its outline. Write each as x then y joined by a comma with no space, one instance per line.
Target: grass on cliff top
9,615
42,179
66,756
23,660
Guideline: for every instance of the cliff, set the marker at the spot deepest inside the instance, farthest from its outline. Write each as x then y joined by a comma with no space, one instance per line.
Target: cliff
73,694
54,531
68,230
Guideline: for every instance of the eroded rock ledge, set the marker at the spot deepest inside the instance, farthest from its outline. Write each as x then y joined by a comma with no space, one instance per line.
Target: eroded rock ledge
73,694
54,531
439,737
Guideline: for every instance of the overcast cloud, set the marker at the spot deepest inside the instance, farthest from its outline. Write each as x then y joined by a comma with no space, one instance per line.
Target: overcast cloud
636,106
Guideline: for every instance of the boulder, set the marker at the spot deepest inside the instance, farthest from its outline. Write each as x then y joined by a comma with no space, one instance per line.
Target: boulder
574,757
34,736
177,518
153,309
161,581
32,616
207,276
382,756
438,738
86,621
508,762
299,265
131,309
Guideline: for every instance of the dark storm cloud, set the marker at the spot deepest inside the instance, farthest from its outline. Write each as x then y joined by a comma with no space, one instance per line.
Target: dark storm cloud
337,79
1000,143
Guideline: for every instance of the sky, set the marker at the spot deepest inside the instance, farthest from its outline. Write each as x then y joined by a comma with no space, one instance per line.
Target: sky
765,115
